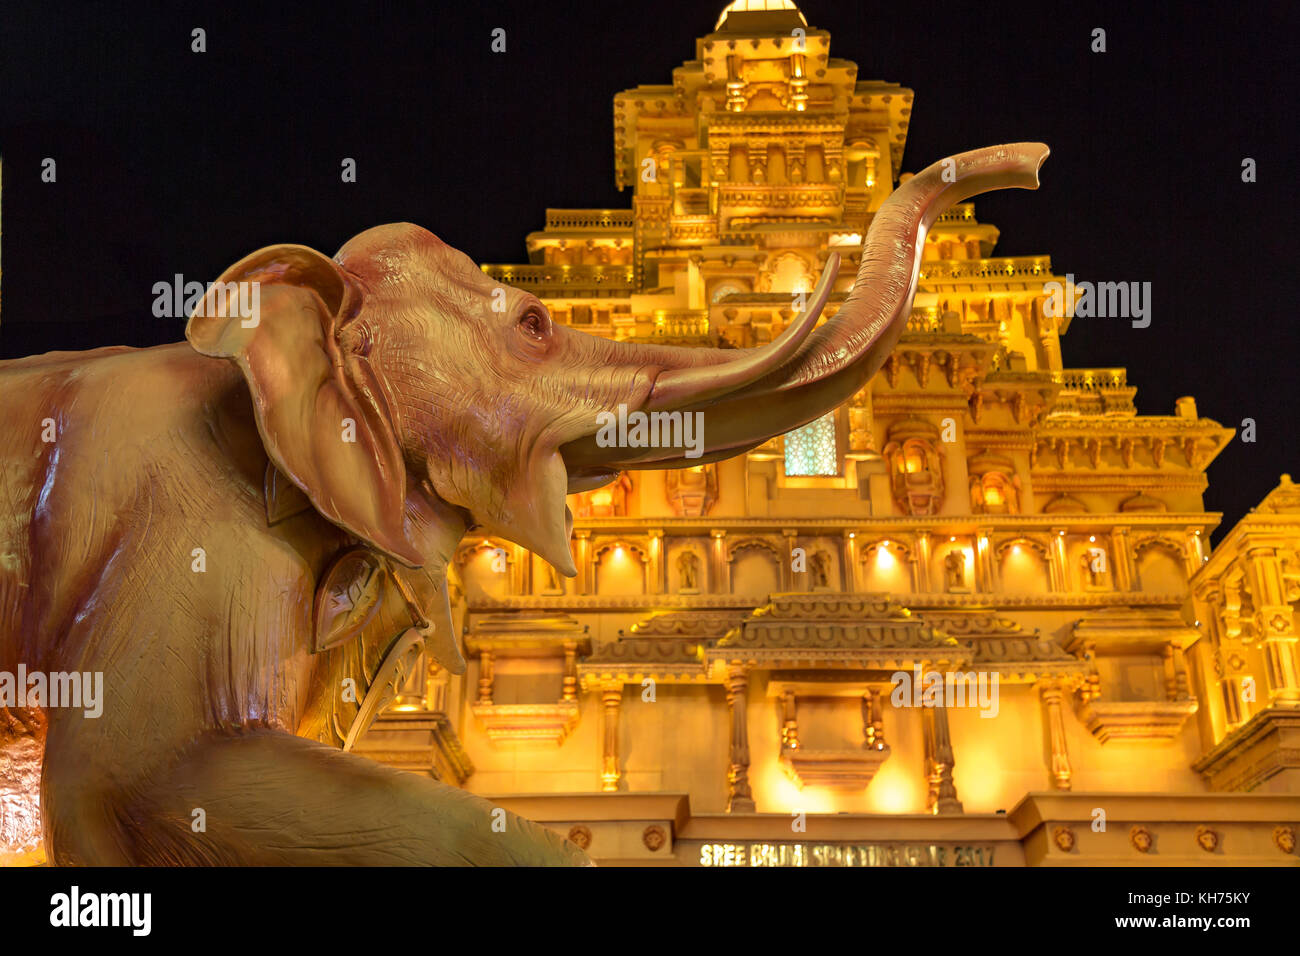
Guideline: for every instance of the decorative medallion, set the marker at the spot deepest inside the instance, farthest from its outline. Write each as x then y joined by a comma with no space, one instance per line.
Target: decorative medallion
1207,839
1284,838
1064,838
1141,839
580,836
654,838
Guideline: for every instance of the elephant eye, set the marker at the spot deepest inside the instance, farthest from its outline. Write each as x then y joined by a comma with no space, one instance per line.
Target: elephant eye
535,325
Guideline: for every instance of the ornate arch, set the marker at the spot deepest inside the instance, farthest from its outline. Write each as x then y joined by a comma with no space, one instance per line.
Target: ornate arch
610,544
896,547
1021,541
1155,540
762,544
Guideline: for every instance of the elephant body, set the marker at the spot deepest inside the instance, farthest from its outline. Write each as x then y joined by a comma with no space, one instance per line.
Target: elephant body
155,454
235,529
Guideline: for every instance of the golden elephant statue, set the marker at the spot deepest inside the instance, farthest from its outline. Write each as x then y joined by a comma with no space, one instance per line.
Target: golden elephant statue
228,531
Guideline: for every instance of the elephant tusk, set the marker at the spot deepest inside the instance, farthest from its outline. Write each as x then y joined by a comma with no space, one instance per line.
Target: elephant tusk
702,383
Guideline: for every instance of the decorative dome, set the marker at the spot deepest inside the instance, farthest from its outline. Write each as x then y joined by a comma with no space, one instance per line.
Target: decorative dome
760,6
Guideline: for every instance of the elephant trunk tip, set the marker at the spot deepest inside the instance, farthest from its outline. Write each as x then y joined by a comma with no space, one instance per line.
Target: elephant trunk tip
1021,161
1039,153
958,178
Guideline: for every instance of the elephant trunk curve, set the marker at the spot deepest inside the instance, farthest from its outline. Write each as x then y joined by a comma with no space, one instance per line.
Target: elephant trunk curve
834,360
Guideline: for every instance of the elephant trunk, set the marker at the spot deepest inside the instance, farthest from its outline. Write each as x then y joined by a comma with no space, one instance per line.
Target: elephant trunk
835,360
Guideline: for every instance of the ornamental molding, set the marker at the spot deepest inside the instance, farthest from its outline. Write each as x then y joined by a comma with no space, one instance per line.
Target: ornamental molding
1002,650
695,624
514,632
1047,481
1263,746
1125,720
625,661
1133,630
550,723
833,769
967,624
586,604
837,631
1071,426
650,652
837,523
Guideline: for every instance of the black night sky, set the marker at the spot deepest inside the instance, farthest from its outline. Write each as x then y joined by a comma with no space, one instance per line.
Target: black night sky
176,162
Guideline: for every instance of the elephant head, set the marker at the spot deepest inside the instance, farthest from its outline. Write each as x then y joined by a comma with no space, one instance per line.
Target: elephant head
413,398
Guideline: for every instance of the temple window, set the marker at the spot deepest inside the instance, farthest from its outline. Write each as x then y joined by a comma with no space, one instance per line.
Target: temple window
994,485
811,450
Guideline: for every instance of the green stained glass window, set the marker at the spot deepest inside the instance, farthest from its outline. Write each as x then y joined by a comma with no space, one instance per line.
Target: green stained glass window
811,450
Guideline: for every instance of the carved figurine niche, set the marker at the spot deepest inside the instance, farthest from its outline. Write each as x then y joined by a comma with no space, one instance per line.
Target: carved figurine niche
819,570
915,463
552,583
1093,564
692,491
954,571
688,572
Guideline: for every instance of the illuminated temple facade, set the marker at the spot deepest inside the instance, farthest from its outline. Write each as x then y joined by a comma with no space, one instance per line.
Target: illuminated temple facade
717,685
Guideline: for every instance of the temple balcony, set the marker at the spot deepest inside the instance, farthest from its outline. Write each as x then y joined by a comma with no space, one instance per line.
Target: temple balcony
561,281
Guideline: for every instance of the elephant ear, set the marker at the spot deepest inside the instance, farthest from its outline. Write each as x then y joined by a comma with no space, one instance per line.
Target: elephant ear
278,314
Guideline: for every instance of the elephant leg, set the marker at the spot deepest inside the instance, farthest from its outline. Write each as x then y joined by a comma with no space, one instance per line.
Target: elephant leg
270,798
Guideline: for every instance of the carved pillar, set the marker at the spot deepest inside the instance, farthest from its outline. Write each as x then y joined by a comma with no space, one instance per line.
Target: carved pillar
1122,558
848,563
922,556
611,696
435,687
1053,695
1060,576
789,721
582,558
1175,667
485,677
938,748
658,567
720,578
1274,624
739,797
873,722
570,689
788,577
986,565
522,560
1194,552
